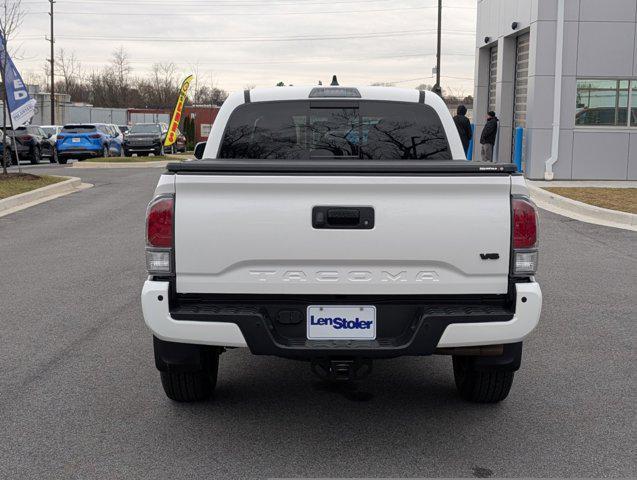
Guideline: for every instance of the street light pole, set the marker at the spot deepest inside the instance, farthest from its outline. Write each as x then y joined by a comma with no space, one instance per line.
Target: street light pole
437,88
52,60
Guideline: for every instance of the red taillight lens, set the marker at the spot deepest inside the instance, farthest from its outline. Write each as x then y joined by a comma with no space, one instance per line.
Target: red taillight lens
24,138
60,137
159,223
524,223
95,135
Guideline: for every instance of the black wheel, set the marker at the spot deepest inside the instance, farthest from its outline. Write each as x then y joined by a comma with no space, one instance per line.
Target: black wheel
192,386
36,156
481,386
54,156
127,153
62,160
159,152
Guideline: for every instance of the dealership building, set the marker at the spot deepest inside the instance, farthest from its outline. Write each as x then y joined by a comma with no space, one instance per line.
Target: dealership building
566,72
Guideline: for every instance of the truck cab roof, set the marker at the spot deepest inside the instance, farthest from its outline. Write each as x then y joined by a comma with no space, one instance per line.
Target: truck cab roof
270,94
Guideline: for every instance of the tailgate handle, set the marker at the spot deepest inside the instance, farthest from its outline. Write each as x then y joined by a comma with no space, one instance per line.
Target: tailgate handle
343,217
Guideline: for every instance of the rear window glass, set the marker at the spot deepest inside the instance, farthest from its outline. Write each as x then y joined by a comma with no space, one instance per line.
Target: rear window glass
303,130
78,129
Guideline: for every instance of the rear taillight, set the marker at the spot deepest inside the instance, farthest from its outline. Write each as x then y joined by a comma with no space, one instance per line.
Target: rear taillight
24,138
95,135
60,137
160,235
524,237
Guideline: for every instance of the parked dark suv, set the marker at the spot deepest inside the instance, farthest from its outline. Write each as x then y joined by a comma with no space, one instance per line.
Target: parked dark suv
145,138
32,143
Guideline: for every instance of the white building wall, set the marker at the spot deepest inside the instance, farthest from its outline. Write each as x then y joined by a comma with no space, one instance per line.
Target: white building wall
600,41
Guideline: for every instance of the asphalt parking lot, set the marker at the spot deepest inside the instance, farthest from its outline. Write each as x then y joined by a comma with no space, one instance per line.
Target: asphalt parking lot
80,396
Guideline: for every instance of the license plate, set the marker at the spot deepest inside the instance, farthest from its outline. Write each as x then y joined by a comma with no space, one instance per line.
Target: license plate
76,140
336,322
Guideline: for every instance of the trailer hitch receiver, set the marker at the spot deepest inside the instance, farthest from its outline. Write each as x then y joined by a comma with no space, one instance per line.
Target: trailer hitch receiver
337,370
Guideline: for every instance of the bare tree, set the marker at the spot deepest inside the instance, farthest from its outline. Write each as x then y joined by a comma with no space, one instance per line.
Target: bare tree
121,70
11,18
121,65
70,69
163,79
194,87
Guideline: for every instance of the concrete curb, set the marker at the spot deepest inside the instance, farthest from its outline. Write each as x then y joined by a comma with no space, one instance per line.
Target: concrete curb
151,164
41,195
157,164
582,211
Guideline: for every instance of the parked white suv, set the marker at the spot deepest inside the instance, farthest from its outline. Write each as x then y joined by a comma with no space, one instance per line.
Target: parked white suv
340,225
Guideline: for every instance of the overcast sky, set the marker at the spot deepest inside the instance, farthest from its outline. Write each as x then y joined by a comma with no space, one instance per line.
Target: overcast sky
251,42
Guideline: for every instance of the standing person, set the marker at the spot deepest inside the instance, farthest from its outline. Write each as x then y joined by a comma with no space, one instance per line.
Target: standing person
487,139
464,127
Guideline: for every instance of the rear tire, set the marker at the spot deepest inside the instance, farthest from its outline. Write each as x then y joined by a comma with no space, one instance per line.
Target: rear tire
62,160
481,386
37,156
192,386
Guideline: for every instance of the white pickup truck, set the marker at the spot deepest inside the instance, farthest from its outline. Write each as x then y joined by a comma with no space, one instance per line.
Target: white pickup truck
340,225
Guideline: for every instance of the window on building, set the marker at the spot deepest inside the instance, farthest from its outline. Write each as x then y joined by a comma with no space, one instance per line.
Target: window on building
605,103
493,77
633,106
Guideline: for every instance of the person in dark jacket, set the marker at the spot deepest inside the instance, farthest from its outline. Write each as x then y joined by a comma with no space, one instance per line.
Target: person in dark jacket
464,127
487,139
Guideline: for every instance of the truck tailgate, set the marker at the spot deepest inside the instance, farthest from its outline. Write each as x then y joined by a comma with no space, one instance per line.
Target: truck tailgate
253,234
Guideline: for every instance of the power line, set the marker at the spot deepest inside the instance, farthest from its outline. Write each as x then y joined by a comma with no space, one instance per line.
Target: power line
213,3
429,78
243,14
311,37
141,60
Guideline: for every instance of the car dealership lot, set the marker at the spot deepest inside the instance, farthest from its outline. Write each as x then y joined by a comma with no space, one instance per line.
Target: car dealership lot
80,396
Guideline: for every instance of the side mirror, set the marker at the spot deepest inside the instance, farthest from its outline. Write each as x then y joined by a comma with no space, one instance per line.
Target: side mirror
199,149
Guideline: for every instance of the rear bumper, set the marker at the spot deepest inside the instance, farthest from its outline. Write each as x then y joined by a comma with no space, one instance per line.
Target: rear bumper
81,152
146,147
432,328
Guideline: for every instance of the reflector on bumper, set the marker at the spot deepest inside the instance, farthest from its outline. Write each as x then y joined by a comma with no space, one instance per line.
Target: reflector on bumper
525,263
158,261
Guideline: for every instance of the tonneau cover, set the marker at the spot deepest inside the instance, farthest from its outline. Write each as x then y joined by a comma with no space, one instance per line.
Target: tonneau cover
341,167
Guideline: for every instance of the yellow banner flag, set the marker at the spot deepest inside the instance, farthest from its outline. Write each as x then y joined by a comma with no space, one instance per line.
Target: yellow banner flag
171,138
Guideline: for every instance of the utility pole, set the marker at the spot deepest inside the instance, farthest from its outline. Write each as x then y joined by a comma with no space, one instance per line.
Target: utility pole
52,60
437,88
